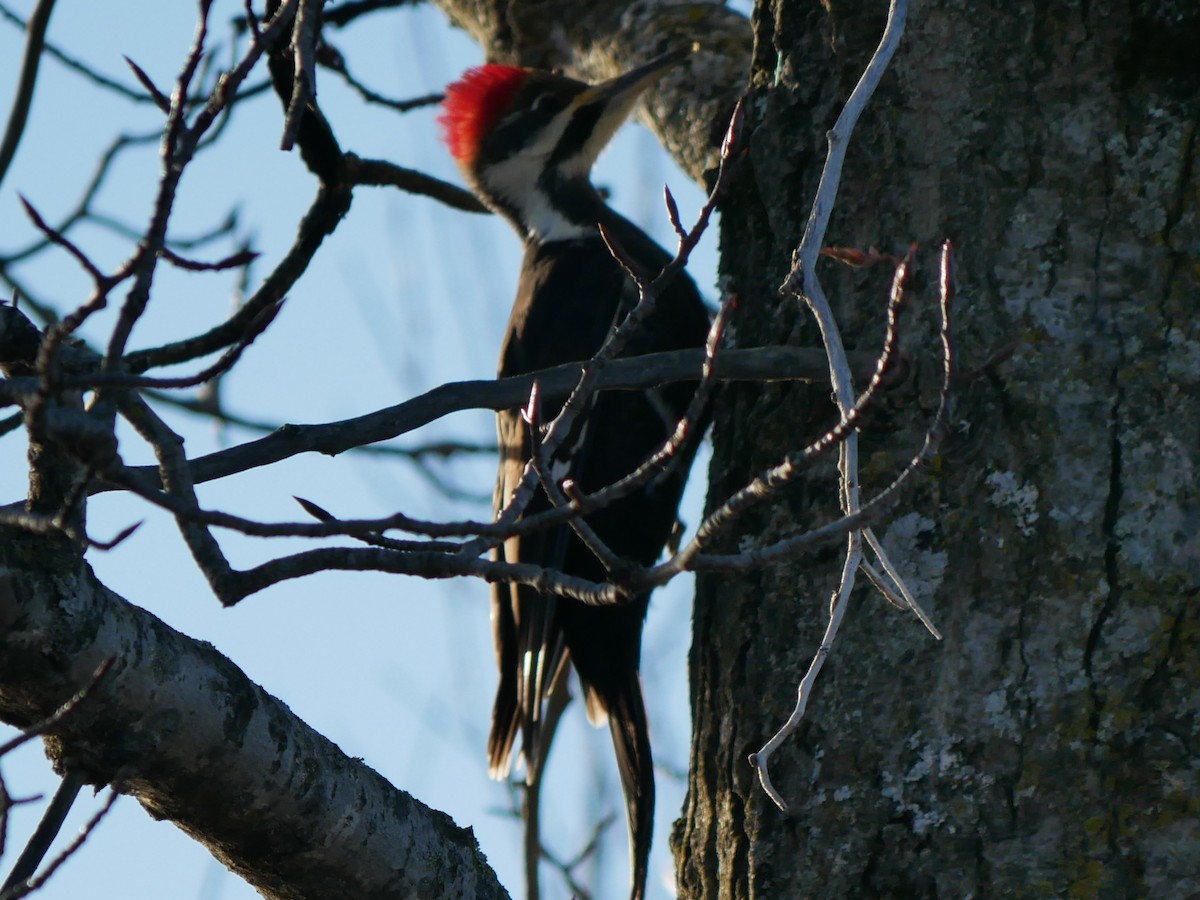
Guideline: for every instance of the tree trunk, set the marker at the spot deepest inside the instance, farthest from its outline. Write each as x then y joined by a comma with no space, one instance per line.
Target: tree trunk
1048,745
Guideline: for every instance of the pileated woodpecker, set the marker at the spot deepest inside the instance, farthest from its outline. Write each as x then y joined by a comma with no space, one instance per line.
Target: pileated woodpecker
526,141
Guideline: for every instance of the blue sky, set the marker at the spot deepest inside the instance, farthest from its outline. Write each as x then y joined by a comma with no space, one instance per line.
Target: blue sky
397,671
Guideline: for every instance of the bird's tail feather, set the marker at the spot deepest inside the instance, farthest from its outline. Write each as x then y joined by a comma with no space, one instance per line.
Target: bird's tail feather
505,721
631,740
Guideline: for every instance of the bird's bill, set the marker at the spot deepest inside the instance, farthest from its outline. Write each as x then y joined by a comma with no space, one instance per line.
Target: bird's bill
617,96
625,88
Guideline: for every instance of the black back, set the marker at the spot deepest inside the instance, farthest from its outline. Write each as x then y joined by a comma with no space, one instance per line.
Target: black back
570,295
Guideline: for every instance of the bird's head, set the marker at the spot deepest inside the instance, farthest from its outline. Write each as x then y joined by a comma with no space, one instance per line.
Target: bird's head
526,140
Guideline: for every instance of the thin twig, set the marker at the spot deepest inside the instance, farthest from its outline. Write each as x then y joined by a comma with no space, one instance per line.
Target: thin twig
382,173
347,12
176,479
206,406
35,36
160,99
88,829
83,208
373,537
226,362
331,58
59,715
62,241
939,427
236,585
233,261
327,209
802,282
768,483
80,68
663,461
304,76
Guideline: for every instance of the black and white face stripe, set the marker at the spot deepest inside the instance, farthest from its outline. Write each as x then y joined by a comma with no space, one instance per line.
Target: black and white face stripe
578,136
534,106
523,153
535,165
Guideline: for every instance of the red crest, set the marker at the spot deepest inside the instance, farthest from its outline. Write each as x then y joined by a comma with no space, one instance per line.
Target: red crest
474,104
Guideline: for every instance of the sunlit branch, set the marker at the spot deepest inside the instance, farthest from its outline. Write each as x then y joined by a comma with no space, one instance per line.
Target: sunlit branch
802,282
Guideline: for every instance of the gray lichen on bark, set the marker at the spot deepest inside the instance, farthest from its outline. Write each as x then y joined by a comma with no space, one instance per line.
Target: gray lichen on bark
1049,746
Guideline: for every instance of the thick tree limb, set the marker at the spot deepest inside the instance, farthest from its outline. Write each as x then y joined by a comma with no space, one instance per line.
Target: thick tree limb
194,732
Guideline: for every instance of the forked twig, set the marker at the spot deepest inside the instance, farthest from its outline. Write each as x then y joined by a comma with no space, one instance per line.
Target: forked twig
803,283
761,759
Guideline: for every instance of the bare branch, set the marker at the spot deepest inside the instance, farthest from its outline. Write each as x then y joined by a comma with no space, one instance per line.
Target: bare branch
776,363
254,328
58,238
19,881
672,212
373,538
207,406
176,479
88,829
566,867
382,173
233,261
304,76
83,209
35,36
160,99
426,565
659,465
882,501
347,12
769,483
180,142
802,282
327,209
331,58
77,66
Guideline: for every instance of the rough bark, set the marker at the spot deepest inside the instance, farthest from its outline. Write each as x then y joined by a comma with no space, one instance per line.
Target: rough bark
181,729
1048,745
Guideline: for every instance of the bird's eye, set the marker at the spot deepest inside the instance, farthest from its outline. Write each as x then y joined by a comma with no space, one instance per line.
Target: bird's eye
543,103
